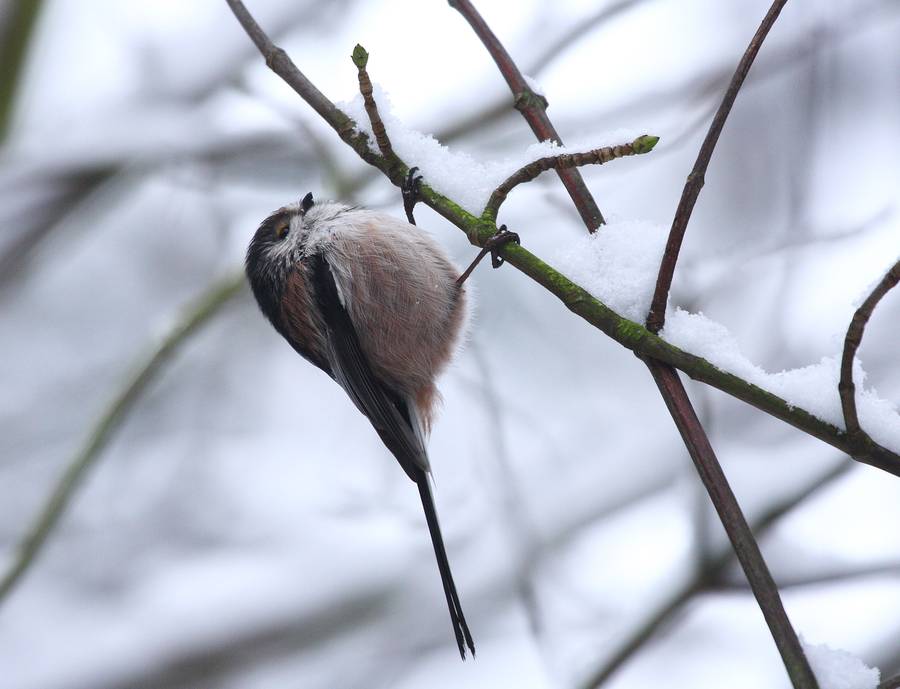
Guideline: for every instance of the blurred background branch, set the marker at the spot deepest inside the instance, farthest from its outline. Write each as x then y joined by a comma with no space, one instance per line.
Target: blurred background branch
113,417
16,28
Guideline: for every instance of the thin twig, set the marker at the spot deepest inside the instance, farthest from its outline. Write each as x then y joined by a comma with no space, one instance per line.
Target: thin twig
851,343
518,521
533,107
113,417
279,62
361,58
657,316
599,156
498,109
818,578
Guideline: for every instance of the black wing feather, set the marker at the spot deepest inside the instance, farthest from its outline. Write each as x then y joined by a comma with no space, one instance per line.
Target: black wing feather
384,407
390,415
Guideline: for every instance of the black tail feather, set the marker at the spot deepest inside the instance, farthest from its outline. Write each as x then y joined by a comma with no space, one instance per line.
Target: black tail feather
460,628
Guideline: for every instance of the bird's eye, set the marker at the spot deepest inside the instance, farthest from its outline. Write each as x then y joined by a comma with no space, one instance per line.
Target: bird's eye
282,230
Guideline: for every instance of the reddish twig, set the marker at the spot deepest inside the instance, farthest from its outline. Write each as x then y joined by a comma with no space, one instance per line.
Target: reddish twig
846,388
657,316
533,107
599,156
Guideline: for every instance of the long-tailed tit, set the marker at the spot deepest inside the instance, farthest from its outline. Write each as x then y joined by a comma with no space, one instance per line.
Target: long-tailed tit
377,305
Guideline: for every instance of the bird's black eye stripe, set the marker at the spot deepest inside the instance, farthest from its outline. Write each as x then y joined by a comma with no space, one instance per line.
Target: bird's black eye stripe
281,229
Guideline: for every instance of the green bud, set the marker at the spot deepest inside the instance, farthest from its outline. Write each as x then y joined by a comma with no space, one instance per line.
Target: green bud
644,144
360,57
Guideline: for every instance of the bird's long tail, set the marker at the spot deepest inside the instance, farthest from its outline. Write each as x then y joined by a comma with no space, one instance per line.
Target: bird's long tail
460,628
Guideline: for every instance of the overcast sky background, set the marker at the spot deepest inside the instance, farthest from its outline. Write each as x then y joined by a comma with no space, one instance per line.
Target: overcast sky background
246,528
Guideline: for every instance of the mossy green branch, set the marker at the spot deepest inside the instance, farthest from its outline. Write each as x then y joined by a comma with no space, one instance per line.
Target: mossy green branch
643,343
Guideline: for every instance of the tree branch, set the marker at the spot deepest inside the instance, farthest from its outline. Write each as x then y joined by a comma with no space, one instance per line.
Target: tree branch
846,388
279,62
818,578
361,58
598,156
739,534
533,107
114,416
657,317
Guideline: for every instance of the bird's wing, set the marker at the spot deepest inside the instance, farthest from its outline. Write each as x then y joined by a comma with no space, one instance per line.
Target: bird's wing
385,408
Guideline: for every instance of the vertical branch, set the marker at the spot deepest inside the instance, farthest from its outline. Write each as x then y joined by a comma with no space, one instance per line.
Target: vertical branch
710,572
846,388
533,107
742,540
695,180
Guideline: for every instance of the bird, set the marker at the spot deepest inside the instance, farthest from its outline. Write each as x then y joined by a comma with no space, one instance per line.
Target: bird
376,304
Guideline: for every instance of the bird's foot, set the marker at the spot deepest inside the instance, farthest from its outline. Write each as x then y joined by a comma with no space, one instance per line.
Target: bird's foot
410,192
492,246
495,243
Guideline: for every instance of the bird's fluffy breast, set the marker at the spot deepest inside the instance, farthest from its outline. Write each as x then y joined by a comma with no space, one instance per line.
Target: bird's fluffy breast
400,290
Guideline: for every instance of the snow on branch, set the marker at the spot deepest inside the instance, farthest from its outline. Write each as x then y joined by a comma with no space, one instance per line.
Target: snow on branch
837,669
